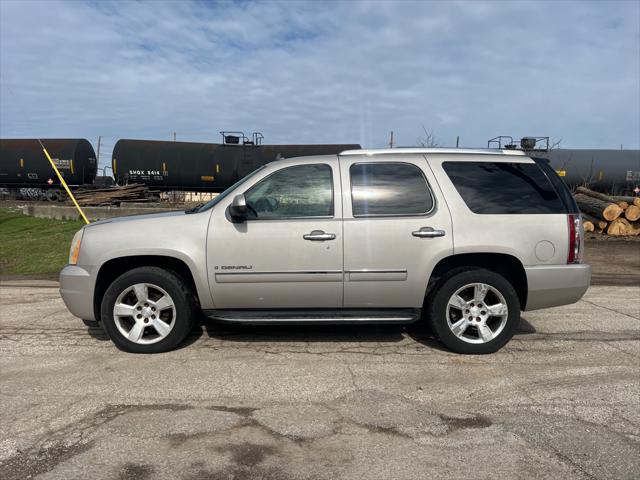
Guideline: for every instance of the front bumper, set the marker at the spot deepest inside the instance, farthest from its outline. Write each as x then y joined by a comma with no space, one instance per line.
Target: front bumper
76,289
555,285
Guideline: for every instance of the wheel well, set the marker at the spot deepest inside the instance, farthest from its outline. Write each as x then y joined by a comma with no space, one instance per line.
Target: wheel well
506,265
112,269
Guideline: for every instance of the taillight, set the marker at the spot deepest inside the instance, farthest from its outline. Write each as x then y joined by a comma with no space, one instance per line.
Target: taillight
576,235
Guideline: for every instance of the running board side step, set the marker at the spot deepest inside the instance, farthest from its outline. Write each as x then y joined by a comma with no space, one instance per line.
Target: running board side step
316,316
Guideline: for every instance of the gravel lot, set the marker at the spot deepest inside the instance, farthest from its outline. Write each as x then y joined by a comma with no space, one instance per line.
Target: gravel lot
561,400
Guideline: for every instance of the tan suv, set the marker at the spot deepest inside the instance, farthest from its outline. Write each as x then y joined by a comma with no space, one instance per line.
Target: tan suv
462,239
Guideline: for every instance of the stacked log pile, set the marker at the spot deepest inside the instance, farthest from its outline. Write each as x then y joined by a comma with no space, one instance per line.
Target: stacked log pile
113,195
613,215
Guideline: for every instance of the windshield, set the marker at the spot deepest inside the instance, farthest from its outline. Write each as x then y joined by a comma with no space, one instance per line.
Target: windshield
223,195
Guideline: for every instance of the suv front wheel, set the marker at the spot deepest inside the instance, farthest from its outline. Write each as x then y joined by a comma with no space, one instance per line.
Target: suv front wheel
474,311
147,310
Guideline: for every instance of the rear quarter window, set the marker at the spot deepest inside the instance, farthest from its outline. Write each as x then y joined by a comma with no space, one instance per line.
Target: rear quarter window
504,188
561,188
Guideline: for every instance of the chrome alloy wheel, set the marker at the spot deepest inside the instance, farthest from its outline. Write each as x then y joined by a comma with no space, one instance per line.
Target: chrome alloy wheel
144,313
477,313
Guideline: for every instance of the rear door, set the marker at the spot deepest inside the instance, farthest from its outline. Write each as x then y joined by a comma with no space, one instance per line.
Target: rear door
396,228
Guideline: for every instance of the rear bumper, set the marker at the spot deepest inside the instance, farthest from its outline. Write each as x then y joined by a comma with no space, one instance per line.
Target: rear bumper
76,289
554,285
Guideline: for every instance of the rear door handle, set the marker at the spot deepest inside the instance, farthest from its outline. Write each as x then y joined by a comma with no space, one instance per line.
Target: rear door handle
319,236
428,232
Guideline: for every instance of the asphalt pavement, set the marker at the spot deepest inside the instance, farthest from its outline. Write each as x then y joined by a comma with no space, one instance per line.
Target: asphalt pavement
561,400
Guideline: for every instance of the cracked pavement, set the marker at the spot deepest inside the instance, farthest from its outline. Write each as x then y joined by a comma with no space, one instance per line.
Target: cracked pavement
320,402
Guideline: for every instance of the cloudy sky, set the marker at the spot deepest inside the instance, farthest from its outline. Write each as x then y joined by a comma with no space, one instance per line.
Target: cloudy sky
321,71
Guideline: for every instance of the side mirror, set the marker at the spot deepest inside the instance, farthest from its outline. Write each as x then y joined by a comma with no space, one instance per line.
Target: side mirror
238,208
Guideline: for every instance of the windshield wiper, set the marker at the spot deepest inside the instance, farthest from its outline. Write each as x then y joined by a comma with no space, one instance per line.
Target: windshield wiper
194,209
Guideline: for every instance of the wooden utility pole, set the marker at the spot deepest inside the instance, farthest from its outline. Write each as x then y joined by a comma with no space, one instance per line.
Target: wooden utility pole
391,140
458,141
98,152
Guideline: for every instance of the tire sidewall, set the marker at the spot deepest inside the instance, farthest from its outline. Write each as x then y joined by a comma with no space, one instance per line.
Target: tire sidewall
440,299
164,279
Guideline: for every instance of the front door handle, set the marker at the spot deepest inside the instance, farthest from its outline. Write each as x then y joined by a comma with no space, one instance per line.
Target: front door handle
319,236
428,232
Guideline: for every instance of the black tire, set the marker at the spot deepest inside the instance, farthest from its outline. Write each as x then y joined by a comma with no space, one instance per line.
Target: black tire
182,296
436,309
52,195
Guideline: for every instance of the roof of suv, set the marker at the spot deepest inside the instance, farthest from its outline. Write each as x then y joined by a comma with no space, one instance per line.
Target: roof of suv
381,153
384,151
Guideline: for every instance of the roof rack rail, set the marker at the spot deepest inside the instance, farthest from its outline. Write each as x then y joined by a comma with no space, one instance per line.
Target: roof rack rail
540,144
476,151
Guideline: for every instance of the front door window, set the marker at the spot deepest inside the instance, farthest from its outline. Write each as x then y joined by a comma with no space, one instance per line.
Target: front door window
293,192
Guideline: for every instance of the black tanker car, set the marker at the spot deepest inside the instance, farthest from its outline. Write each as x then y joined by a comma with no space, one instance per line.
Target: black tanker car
213,167
165,165
24,165
616,172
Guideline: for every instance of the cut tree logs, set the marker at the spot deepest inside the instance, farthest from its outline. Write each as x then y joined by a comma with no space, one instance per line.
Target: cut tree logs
632,213
608,198
622,226
617,228
600,209
613,215
112,195
598,223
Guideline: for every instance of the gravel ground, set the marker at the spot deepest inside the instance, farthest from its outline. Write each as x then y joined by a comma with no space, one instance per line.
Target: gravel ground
560,401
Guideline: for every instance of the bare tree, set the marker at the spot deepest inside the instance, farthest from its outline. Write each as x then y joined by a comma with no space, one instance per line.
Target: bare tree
554,144
429,139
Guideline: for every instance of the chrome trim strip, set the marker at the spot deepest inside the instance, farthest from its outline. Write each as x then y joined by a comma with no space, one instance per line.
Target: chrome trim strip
382,319
378,275
319,217
296,272
280,277
378,270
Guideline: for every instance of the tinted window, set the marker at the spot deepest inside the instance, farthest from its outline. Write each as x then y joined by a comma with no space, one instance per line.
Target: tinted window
300,191
504,187
389,189
561,187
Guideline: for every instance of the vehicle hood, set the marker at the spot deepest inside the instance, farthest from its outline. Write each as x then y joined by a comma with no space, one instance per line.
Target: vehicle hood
139,218
175,234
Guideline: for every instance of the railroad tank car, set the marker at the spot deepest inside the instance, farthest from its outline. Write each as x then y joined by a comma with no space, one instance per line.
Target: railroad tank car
616,172
24,165
166,165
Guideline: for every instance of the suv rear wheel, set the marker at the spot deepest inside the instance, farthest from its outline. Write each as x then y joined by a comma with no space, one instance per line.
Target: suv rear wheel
474,311
148,310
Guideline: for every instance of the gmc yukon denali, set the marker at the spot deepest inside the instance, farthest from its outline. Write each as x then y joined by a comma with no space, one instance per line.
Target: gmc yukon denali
462,240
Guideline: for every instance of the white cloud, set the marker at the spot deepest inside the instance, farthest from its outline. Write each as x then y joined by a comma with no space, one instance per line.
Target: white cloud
322,71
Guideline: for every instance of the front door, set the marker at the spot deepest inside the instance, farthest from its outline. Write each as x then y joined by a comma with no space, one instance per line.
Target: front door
396,228
288,253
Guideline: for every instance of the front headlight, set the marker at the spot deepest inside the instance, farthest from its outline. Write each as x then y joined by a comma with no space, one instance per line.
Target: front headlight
75,247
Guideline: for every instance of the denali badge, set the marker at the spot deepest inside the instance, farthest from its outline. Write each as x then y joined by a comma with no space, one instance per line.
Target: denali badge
234,267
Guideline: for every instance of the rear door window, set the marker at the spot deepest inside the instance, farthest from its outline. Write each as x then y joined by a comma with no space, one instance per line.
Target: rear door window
389,189
504,188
